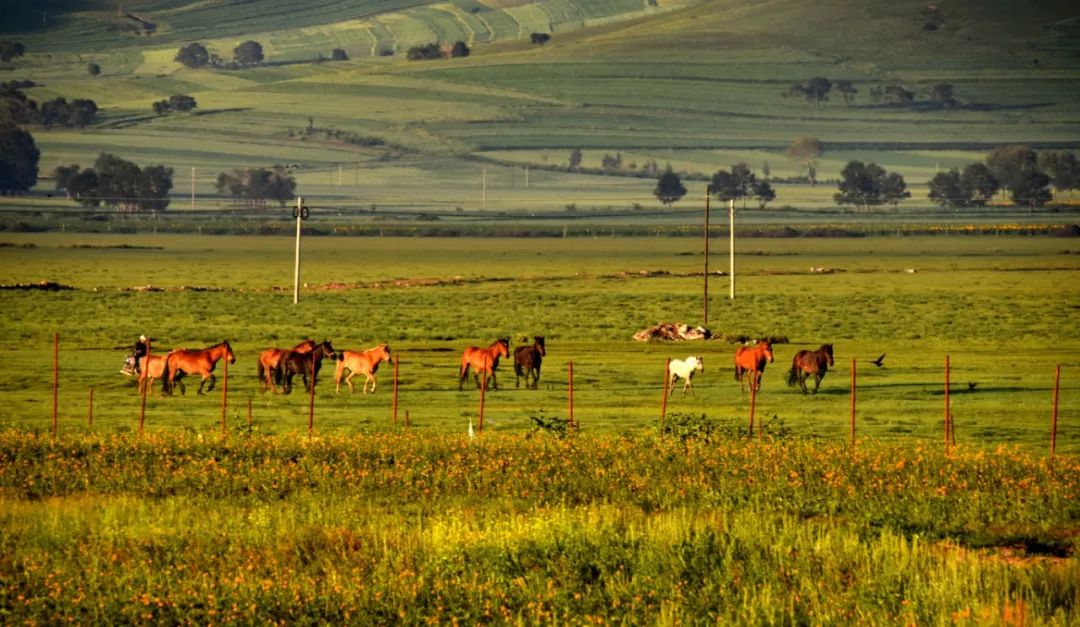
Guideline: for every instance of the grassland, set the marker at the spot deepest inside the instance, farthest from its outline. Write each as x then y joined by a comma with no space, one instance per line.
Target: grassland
999,306
693,84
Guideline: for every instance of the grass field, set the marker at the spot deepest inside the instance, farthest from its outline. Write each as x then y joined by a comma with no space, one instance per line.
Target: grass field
999,306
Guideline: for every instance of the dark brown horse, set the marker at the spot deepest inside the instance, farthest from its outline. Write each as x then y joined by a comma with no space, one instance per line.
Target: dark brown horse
752,359
527,360
184,361
305,364
483,361
269,360
807,362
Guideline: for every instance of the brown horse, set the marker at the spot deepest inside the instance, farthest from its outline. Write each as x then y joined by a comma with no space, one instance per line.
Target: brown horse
527,360
305,364
269,360
752,359
483,361
183,361
154,369
363,362
807,362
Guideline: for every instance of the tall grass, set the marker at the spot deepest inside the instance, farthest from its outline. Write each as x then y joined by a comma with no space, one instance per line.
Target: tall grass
641,528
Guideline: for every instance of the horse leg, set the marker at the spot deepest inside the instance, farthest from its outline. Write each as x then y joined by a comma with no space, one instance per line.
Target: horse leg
462,374
374,383
817,381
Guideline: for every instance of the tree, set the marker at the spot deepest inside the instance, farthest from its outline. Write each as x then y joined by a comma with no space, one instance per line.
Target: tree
1031,187
807,150
978,185
257,185
847,91
610,163
459,49
815,90
943,93
19,157
897,95
945,189
575,158
424,52
763,192
337,54
866,185
539,38
669,188
124,185
193,55
10,50
1008,163
248,53
1063,168
93,69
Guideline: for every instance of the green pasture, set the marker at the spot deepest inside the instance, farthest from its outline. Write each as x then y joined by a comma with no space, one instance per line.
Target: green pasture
999,307
693,84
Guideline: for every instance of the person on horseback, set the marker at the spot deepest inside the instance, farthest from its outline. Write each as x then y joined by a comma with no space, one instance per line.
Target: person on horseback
133,363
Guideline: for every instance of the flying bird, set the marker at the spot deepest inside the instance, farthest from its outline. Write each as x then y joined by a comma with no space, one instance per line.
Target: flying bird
879,362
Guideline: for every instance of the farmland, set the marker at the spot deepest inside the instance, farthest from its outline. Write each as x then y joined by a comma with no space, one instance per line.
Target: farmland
445,214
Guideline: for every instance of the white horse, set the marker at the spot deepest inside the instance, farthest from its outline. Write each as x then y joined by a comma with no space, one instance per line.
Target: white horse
684,368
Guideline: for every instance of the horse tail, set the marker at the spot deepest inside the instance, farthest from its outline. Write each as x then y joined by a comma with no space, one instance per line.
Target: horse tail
165,387
793,376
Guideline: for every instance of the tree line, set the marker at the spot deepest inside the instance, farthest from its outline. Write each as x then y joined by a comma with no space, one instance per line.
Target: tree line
18,108
196,55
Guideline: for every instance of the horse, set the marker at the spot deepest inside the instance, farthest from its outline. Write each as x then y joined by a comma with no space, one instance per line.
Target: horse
483,360
527,360
152,369
270,358
684,368
807,362
752,359
365,362
183,361
304,364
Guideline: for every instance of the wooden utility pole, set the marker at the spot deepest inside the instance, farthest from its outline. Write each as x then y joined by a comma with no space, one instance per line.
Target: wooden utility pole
705,306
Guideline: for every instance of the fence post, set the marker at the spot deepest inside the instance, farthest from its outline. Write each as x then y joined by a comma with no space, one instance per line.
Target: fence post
311,400
753,402
143,385
56,380
663,402
394,411
853,391
948,419
570,402
224,393
483,389
1054,415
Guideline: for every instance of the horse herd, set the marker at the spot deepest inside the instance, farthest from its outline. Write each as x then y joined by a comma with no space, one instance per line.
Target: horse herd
278,367
750,364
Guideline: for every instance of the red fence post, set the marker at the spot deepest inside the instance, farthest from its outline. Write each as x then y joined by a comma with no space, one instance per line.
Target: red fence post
1054,415
948,419
142,383
570,402
853,391
56,380
311,400
224,392
394,411
483,388
663,402
753,402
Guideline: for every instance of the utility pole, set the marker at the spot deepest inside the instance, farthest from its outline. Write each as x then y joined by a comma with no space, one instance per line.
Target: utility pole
526,177
705,308
193,189
300,213
731,246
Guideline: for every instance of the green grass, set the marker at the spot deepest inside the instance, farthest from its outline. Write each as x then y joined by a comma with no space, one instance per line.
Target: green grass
604,87
190,528
995,305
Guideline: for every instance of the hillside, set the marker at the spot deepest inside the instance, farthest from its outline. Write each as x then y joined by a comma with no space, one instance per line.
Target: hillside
699,85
